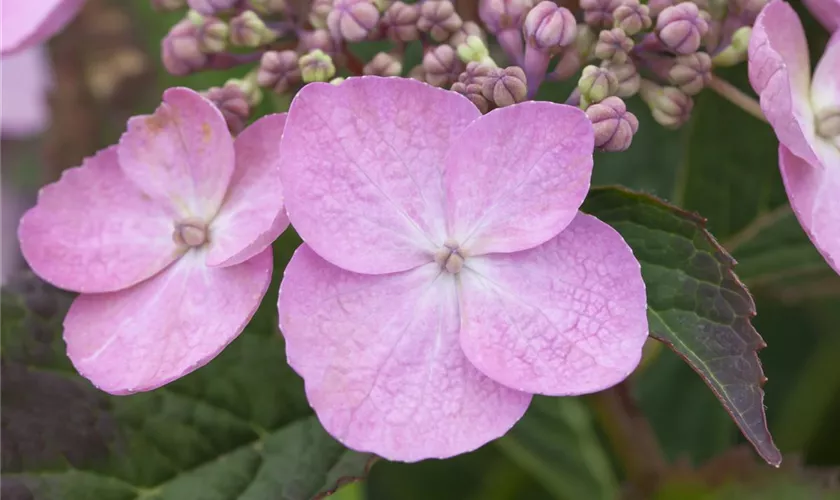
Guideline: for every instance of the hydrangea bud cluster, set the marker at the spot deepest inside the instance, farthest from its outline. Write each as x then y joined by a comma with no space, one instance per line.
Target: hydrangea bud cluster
605,45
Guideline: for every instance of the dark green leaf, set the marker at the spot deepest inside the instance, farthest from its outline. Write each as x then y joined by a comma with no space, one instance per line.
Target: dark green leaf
238,428
557,443
696,304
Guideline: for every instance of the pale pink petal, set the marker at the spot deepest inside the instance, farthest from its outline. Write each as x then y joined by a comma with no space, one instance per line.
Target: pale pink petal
780,73
26,79
94,231
164,328
361,169
181,155
25,23
826,11
252,214
518,176
381,361
567,317
825,90
814,193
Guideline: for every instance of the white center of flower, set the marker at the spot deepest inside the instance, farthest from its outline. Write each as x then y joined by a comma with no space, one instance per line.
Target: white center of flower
450,257
190,233
828,123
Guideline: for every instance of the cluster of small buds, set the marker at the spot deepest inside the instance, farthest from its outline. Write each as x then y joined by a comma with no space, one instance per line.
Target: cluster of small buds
607,45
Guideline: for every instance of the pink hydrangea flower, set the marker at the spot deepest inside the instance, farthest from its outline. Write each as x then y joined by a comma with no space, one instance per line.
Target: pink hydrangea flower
166,236
447,274
26,23
825,11
805,114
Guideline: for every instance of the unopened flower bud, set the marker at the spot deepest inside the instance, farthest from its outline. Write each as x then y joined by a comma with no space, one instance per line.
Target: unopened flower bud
596,84
472,92
337,81
248,30
212,35
268,7
318,13
549,27
691,72
476,73
233,103
585,41
211,7
681,28
400,21
383,64
467,30
249,88
632,17
736,51
627,76
352,20
439,19
316,66
418,73
317,40
278,71
180,50
168,5
669,106
505,87
599,13
614,126
442,66
613,45
501,15
474,50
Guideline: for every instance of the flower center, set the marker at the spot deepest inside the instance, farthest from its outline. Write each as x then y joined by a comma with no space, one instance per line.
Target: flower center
450,257
191,233
828,123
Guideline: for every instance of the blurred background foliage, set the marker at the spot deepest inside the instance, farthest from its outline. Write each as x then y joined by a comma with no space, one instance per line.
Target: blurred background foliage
722,165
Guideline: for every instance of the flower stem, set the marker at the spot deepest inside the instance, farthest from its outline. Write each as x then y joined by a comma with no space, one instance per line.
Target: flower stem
630,435
736,97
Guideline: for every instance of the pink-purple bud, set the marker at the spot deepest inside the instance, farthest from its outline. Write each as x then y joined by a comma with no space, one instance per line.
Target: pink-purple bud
232,101
657,6
472,92
669,106
383,64
476,72
467,30
596,84
681,28
505,87
248,30
692,72
442,66
317,40
502,15
439,19
400,22
212,34
613,45
210,7
549,27
599,13
352,20
278,71
632,17
614,126
627,76
180,50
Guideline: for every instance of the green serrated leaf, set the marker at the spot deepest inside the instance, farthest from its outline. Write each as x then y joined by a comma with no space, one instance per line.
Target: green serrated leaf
696,304
556,441
238,428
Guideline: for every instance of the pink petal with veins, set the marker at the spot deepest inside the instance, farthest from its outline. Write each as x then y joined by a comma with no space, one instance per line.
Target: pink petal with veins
153,333
94,231
252,214
361,169
567,317
182,155
382,363
25,23
780,72
518,176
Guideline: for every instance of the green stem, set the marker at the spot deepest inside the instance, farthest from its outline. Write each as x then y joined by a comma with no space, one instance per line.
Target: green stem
630,435
732,94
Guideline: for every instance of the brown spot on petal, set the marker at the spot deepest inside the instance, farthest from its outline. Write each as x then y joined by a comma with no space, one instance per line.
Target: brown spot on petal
156,122
206,132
